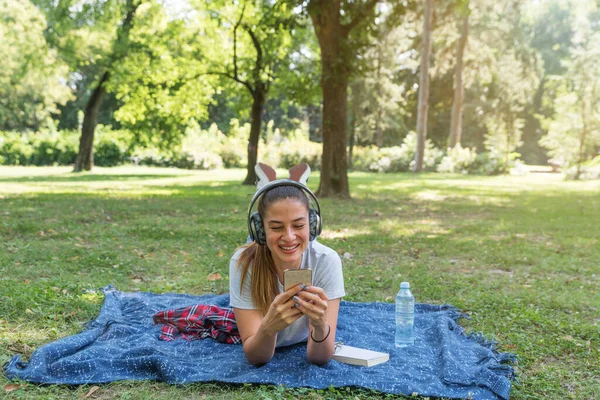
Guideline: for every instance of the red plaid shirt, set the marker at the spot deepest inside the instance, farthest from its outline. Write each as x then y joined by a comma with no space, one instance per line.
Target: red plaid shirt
199,322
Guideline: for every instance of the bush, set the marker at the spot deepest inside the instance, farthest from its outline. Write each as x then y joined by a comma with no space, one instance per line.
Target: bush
53,148
234,148
363,157
38,148
50,147
112,147
458,160
300,150
493,163
15,148
396,159
211,148
200,149
589,170
285,151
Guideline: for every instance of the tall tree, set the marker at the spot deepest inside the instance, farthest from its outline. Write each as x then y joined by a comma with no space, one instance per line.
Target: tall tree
423,107
32,78
548,27
376,90
162,81
85,156
257,39
457,104
574,133
336,24
90,36
133,50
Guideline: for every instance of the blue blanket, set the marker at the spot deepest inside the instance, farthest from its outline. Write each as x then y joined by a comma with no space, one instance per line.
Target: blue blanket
122,344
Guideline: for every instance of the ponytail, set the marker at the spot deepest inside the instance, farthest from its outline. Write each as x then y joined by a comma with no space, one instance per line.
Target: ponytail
264,276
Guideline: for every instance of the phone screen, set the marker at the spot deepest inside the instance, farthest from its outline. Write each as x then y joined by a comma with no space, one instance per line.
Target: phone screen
294,276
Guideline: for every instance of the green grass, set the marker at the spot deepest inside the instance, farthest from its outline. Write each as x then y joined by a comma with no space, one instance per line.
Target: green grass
520,255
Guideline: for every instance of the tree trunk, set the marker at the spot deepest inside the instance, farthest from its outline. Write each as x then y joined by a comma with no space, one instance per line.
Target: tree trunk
85,157
334,83
582,138
354,89
378,130
258,101
423,108
510,131
334,177
457,104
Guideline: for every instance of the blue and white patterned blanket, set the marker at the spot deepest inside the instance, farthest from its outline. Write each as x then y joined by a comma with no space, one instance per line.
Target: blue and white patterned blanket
122,344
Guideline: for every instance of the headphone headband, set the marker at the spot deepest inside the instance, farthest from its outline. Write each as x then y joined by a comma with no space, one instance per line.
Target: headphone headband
279,183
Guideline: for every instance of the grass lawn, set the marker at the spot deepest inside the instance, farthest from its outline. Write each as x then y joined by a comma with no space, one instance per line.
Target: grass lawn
520,255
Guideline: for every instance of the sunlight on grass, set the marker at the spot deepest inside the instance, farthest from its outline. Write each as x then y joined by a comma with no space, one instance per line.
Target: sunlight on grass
343,233
519,254
133,180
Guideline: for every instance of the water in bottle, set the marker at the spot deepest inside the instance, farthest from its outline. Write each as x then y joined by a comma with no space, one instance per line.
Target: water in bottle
405,316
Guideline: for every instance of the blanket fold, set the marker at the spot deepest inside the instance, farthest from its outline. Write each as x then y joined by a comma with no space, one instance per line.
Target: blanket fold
123,343
199,321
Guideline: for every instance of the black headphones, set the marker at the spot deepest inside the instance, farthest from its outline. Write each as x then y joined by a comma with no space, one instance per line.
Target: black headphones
256,228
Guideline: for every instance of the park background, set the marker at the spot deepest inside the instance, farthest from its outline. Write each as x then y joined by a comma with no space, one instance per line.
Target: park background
453,144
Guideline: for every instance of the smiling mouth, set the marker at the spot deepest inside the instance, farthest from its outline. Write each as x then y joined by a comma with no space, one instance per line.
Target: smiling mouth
288,248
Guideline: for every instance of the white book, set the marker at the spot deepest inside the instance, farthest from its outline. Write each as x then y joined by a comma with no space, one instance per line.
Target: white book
357,356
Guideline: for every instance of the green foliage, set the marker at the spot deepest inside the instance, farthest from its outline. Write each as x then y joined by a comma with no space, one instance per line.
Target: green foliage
458,160
493,163
207,149
295,148
588,171
32,78
160,82
50,147
574,133
38,148
112,147
397,158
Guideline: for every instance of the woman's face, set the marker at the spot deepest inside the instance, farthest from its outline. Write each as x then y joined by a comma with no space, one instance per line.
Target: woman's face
287,231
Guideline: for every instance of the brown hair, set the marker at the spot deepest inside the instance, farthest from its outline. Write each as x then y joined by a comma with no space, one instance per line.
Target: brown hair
264,274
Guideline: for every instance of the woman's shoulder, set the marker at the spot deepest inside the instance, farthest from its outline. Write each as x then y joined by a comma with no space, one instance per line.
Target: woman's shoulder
320,250
238,252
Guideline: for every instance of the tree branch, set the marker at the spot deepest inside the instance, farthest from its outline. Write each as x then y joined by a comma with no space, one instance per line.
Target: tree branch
235,68
226,75
364,11
259,53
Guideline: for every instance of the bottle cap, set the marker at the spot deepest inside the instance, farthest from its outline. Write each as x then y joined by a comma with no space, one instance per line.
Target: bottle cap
405,285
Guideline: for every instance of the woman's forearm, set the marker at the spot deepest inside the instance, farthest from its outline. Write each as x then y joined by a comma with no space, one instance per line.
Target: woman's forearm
260,347
320,353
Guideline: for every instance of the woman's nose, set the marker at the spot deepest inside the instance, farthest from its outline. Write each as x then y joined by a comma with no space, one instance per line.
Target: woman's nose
288,233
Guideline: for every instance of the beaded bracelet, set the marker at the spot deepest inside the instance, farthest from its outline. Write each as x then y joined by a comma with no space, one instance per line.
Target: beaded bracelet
322,340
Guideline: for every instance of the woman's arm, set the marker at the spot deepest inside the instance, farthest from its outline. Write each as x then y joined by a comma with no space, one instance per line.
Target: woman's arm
323,316
258,333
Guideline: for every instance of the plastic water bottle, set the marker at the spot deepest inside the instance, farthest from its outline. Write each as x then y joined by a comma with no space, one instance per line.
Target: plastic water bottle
405,316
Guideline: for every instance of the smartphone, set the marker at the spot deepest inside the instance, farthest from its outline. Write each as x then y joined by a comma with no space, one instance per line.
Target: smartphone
294,276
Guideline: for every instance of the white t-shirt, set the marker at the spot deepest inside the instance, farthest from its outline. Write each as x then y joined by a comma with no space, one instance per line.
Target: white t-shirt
327,274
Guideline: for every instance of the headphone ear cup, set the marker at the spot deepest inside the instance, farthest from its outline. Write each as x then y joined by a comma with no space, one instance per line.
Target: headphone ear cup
257,230
314,221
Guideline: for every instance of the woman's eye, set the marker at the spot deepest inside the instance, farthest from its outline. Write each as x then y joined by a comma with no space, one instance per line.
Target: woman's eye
276,228
299,226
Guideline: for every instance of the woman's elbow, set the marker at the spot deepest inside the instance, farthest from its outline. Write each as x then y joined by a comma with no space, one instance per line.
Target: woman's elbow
319,360
258,360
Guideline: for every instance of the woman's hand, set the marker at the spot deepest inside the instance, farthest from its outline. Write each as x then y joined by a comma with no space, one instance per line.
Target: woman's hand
259,333
313,302
282,311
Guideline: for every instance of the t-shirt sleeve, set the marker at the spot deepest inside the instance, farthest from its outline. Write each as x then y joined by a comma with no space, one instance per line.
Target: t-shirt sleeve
239,297
329,275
